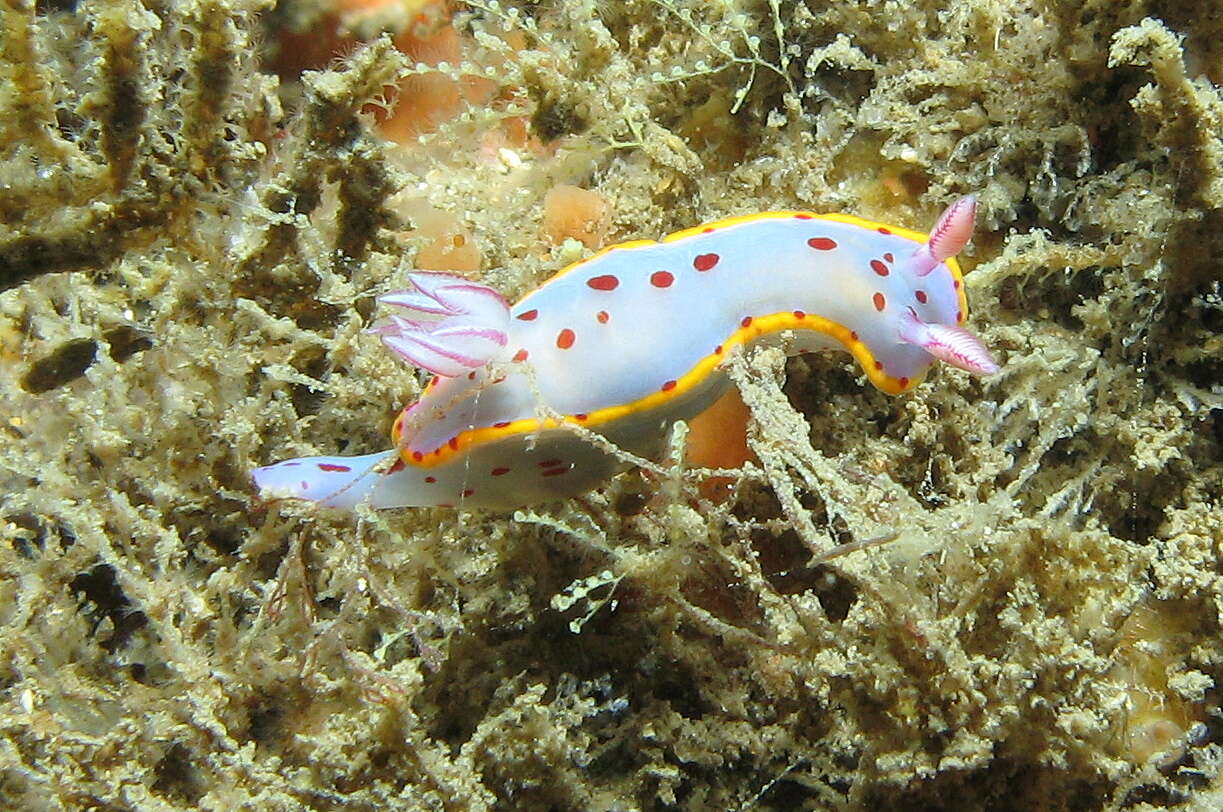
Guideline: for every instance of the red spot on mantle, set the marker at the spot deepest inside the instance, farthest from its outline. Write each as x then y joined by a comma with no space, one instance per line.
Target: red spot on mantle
605,282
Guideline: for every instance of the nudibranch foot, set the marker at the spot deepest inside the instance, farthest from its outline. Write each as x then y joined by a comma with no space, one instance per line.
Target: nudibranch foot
549,397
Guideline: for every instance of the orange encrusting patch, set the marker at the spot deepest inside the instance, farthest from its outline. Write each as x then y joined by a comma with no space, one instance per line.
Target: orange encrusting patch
425,101
573,212
443,242
717,438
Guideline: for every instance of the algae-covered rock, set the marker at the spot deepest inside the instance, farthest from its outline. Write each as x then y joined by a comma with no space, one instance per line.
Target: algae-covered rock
988,593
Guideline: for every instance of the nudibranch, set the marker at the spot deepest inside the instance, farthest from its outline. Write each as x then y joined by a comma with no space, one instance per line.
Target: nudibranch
528,403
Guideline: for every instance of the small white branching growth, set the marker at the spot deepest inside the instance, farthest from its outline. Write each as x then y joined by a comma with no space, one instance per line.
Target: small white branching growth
728,42
582,591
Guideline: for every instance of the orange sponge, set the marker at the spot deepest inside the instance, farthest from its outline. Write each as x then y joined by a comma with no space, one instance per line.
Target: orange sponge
578,213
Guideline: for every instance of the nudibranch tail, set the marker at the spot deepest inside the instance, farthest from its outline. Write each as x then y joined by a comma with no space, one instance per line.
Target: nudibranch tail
451,325
950,234
954,345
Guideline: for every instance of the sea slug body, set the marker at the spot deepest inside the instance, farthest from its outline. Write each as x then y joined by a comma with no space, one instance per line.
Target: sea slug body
630,340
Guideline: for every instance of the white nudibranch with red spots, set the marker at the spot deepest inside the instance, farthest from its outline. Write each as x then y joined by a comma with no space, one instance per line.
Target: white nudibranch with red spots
632,339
